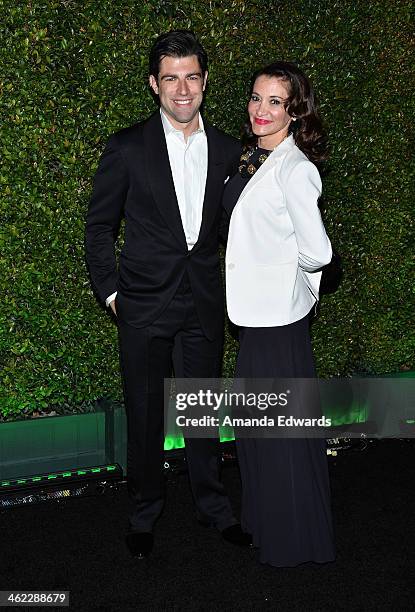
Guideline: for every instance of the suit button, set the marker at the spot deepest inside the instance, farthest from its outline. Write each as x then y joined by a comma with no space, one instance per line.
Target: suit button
231,266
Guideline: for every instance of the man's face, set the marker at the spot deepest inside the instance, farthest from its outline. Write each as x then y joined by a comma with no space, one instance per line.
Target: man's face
180,87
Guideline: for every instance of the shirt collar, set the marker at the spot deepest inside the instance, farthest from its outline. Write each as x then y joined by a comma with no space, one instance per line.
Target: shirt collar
170,129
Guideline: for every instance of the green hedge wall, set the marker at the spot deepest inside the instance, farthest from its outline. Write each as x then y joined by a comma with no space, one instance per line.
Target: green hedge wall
73,72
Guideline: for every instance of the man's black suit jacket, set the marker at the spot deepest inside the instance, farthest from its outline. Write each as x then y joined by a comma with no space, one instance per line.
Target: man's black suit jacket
134,180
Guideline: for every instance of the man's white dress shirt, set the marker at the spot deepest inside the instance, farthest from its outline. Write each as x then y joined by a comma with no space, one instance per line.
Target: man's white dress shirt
188,163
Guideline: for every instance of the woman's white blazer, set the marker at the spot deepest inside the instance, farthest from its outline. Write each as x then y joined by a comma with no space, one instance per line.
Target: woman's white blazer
277,242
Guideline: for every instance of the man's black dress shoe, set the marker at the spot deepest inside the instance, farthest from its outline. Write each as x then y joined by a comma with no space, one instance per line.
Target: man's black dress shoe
235,535
232,534
140,544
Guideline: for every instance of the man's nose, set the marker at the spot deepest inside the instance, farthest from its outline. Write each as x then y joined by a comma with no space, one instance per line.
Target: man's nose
183,87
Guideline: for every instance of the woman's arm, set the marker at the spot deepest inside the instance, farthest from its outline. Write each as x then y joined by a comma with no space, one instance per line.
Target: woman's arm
302,190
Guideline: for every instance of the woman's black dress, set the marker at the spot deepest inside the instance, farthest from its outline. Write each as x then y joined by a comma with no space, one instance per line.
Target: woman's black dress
285,485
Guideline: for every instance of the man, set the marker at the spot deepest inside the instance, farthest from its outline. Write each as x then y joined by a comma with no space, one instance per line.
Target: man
166,177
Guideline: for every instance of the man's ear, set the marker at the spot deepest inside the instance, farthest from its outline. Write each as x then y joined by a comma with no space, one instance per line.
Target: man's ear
153,84
205,80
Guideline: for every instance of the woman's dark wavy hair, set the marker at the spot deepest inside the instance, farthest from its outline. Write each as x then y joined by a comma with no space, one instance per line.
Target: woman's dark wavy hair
307,130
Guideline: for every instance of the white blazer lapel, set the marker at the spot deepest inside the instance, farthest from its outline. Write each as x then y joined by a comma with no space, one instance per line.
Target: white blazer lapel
283,148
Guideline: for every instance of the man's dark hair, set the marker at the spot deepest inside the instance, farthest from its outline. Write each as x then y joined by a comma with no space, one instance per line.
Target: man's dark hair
178,43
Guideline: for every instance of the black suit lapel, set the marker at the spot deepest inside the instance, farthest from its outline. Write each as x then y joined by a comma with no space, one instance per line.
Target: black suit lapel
161,179
160,176
213,183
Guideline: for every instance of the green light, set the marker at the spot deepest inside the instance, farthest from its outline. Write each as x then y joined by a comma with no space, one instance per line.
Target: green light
227,439
55,475
357,413
174,442
169,443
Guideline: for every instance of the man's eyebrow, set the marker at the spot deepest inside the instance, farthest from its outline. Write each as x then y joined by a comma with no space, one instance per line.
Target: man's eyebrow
168,76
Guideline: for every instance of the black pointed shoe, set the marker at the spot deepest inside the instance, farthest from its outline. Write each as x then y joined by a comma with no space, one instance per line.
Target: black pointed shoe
235,535
140,544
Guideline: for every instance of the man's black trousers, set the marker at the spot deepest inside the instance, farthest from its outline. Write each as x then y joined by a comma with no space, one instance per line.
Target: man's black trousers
146,359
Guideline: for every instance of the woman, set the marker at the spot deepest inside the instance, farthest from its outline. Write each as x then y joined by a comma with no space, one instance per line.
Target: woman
276,246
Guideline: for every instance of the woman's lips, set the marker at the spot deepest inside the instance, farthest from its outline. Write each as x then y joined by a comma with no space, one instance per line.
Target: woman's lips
262,121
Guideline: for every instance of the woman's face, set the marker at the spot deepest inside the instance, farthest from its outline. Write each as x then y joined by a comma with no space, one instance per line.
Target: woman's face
269,119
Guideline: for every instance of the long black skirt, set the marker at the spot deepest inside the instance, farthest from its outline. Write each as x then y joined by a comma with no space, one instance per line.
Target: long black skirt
285,484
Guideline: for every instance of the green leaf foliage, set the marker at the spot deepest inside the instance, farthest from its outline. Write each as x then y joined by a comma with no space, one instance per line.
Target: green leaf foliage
74,72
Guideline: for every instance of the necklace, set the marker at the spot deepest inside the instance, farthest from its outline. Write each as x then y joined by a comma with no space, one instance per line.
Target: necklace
250,163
